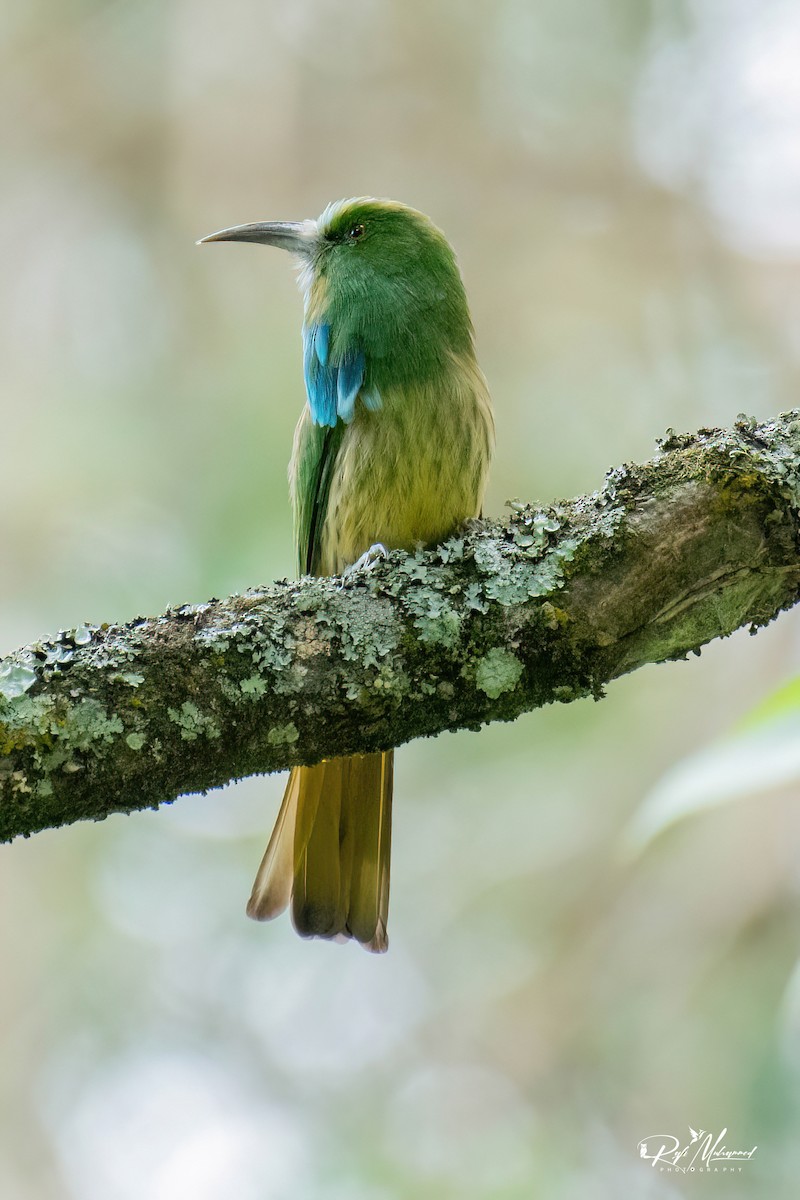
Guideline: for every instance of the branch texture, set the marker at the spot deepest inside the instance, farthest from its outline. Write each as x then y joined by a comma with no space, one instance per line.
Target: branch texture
500,619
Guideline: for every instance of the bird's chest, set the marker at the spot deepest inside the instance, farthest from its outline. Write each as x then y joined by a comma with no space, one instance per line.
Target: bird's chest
402,476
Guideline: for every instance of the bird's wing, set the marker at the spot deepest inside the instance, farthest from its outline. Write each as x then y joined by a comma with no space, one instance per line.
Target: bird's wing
316,448
333,383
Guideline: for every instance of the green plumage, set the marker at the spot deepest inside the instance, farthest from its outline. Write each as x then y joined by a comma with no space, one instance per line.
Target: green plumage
393,447
313,462
415,468
396,292
409,473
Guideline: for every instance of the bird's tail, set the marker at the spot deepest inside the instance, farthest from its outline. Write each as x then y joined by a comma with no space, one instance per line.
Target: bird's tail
329,851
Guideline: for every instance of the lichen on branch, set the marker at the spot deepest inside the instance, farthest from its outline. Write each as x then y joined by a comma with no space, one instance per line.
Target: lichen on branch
504,617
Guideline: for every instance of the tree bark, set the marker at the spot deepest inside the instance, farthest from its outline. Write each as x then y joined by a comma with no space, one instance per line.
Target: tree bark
504,617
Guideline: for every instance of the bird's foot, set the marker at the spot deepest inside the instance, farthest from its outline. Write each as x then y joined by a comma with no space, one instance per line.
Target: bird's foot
365,563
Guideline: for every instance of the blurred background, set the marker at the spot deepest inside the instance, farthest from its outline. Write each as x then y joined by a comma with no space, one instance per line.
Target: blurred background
621,181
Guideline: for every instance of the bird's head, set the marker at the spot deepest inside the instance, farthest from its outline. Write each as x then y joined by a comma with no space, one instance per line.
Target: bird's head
379,274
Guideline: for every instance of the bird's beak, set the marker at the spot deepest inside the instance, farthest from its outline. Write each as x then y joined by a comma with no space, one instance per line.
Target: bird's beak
299,237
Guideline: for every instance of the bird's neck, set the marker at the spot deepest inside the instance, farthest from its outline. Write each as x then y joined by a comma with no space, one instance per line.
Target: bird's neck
406,338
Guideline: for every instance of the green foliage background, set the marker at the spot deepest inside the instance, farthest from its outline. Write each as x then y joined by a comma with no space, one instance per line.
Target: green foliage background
621,182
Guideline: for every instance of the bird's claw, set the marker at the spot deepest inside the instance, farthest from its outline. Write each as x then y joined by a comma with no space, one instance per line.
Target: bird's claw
366,562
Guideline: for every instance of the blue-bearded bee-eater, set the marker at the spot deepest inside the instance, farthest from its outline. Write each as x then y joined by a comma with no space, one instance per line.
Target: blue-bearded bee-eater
392,449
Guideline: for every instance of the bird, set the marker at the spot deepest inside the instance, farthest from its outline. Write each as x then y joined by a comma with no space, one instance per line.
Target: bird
391,451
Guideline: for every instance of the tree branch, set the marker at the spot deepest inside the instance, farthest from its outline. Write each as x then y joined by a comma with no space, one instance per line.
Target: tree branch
500,619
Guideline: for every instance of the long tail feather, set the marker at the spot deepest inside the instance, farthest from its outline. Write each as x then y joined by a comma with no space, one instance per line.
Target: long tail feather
315,895
272,888
329,853
369,887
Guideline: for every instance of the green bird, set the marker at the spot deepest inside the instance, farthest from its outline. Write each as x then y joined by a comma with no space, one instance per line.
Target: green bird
392,450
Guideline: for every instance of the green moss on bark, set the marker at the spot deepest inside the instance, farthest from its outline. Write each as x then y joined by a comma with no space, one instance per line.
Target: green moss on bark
549,605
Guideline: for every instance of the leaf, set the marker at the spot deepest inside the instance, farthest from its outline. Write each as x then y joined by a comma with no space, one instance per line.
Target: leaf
764,756
780,703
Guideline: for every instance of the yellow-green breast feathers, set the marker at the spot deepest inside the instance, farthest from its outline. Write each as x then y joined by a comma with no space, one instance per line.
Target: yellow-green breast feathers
393,446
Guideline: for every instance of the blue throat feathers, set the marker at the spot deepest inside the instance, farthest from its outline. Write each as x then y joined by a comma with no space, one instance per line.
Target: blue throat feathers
333,387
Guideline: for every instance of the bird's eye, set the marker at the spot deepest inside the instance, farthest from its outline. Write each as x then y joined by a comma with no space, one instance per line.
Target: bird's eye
356,232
